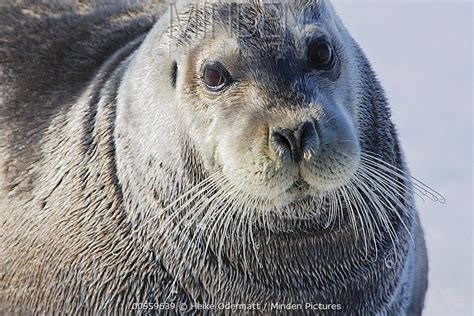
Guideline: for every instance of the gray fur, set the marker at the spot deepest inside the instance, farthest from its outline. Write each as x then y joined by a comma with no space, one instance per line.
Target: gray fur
97,148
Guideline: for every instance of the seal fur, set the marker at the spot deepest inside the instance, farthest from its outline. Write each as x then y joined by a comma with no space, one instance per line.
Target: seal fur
113,192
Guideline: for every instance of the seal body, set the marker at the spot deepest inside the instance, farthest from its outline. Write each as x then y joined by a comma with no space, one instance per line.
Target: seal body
151,157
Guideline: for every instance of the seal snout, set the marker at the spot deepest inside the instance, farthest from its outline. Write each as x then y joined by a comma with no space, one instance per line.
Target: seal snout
294,144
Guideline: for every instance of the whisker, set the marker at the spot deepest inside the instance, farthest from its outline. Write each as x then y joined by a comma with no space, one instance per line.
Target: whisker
202,186
378,207
424,188
384,186
390,206
362,205
349,207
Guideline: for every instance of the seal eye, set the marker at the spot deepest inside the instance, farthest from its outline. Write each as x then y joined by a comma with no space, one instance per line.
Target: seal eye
215,76
320,55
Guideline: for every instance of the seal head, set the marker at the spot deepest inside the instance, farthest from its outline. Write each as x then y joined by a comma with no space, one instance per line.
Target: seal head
273,109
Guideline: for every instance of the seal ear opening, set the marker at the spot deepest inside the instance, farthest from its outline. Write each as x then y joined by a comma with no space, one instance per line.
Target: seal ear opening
174,74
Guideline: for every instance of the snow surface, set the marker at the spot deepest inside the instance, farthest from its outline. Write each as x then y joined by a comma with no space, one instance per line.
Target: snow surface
422,53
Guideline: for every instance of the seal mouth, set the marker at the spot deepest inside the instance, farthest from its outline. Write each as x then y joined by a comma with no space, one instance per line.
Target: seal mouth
300,186
298,191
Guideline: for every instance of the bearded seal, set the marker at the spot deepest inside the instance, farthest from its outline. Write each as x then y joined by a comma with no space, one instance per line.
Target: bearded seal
204,158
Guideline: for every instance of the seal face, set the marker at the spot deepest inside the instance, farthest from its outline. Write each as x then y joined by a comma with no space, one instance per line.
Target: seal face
273,112
269,132
219,153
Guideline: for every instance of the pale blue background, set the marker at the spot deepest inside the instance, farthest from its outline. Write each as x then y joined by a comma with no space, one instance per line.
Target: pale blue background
422,52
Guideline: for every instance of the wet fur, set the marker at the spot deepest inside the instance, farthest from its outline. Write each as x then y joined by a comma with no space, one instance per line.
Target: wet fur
78,202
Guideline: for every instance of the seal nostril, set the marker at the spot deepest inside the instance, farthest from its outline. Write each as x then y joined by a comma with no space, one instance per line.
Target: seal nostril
281,140
309,136
282,143
286,144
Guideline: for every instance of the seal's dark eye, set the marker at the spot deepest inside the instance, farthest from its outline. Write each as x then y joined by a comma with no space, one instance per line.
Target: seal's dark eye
320,55
215,76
